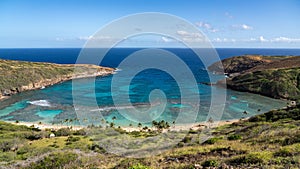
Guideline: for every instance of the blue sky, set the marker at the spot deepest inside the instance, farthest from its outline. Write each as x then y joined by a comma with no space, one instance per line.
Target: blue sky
227,23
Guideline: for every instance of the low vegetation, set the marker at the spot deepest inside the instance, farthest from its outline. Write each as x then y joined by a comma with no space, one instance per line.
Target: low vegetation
272,76
16,79
278,83
269,140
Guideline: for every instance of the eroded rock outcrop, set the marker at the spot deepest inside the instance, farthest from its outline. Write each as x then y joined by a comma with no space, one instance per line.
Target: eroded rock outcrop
18,76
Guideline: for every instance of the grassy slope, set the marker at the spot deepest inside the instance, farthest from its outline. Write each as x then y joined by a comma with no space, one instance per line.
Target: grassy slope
273,76
15,74
270,140
276,83
242,63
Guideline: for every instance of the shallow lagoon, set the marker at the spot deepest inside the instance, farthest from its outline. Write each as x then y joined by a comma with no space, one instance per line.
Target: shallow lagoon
54,104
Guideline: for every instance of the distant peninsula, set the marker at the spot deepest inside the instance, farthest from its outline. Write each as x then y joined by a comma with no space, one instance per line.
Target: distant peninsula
272,76
18,76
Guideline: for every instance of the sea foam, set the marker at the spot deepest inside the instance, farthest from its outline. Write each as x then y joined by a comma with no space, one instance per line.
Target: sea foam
43,103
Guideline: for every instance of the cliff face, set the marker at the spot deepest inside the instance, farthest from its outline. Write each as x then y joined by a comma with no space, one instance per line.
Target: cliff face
276,77
18,76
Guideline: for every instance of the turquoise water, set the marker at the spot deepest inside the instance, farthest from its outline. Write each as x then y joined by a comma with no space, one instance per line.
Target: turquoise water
55,104
48,115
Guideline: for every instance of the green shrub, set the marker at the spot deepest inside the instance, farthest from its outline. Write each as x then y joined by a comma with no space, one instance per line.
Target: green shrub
63,132
246,160
234,137
252,158
210,163
212,140
186,139
9,144
73,139
180,144
96,148
23,150
283,153
80,132
291,140
34,136
7,156
54,160
136,133
138,166
54,145
191,131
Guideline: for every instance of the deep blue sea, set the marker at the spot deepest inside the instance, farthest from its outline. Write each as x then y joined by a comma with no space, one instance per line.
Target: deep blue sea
54,104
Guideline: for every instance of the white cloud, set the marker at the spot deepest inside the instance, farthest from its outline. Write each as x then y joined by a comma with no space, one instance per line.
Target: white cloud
258,39
100,38
223,40
191,36
262,39
246,27
165,39
206,26
285,39
203,25
242,27
84,38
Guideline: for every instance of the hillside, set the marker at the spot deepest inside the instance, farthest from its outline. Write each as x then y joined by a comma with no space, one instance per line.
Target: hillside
240,64
270,140
272,76
18,76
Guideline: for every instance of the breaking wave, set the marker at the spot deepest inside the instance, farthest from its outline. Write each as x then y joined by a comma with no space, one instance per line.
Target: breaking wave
43,103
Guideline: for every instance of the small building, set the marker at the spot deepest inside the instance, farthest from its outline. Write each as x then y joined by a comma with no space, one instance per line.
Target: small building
52,135
293,103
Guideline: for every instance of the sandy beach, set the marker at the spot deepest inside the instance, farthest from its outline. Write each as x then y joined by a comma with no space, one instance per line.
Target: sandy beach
195,126
48,126
185,127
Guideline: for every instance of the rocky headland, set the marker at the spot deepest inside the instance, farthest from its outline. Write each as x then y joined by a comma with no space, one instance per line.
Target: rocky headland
18,76
272,76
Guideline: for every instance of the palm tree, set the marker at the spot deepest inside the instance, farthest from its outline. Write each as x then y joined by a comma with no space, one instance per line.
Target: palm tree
210,121
71,121
66,121
113,121
154,123
112,124
139,125
114,118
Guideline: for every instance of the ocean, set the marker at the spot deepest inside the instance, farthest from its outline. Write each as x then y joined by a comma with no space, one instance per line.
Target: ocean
55,104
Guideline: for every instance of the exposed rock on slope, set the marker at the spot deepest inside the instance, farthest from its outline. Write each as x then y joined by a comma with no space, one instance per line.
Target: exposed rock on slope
18,76
273,76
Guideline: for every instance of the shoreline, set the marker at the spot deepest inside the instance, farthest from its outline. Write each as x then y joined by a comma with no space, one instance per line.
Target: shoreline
179,127
50,82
